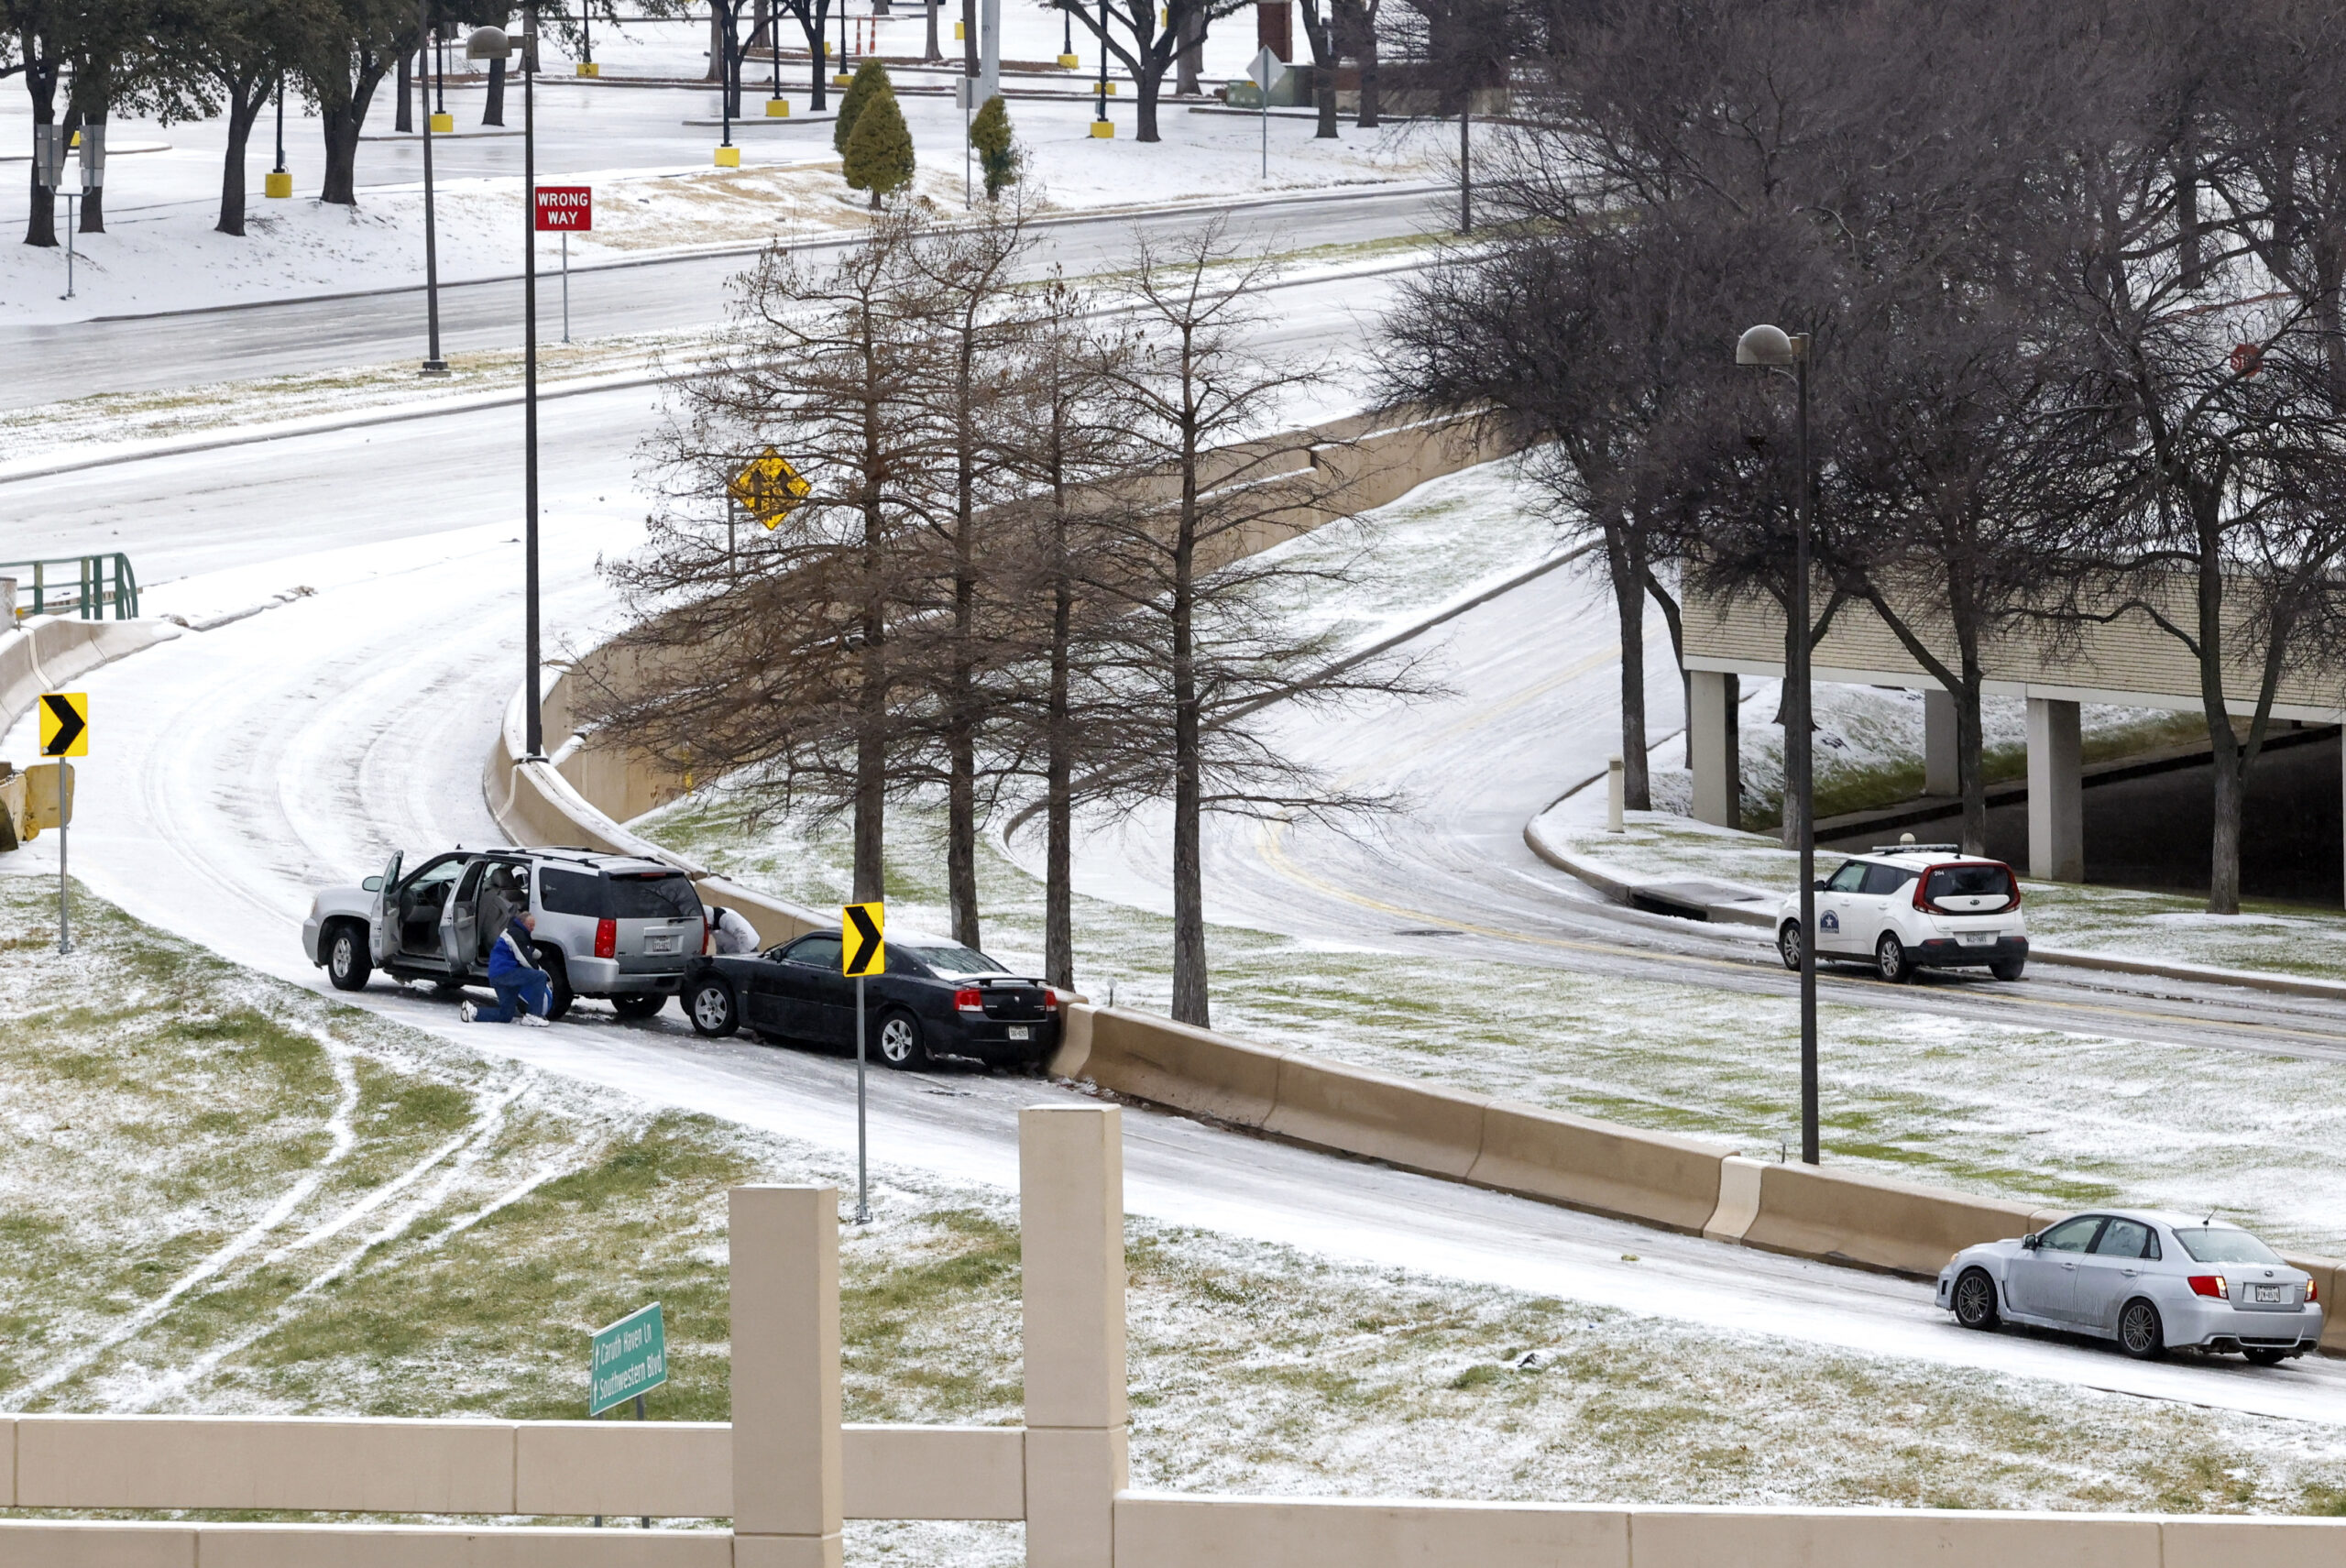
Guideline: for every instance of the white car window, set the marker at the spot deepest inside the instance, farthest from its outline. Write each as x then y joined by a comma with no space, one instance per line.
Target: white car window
1848,878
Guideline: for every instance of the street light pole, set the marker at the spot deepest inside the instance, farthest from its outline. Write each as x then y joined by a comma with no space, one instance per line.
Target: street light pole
536,730
1775,349
433,364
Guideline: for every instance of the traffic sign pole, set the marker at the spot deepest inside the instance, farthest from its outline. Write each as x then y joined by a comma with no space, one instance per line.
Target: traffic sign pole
565,285
64,828
864,1185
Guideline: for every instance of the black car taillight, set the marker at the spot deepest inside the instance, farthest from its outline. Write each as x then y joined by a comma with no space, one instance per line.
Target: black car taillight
969,999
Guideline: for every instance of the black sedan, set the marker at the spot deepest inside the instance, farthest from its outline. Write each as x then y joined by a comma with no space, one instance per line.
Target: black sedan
937,998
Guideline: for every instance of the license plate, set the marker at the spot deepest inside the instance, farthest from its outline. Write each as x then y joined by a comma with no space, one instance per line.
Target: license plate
1021,1032
1976,939
2276,1294
660,944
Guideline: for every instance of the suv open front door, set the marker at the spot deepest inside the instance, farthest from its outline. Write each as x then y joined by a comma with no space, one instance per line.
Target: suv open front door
382,921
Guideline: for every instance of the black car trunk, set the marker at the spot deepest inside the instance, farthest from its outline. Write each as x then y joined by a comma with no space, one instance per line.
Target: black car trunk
1013,1000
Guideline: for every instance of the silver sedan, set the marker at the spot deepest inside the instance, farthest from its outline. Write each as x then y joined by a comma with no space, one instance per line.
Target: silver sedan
2154,1282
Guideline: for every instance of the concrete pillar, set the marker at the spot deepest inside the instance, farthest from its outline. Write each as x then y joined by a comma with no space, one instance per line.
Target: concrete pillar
788,1495
1940,774
1071,1245
2056,825
1714,746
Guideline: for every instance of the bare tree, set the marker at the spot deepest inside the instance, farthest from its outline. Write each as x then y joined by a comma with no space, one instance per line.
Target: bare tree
777,663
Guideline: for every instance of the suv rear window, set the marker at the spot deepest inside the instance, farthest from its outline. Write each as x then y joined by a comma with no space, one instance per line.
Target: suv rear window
664,896
1968,881
570,892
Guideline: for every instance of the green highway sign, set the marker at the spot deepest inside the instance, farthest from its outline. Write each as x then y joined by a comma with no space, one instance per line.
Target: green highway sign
631,1358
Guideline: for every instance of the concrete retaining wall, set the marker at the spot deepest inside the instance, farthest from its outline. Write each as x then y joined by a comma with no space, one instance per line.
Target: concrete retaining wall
43,655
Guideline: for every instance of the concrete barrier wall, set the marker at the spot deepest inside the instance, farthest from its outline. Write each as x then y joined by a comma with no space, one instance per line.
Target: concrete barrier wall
1846,1217
1168,1530
45,654
327,1464
113,1544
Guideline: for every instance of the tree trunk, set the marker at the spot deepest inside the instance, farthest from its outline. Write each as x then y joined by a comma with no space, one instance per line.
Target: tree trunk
1151,83
1190,980
2223,862
1970,758
969,37
242,112
41,81
929,50
492,111
1319,31
2223,866
1629,575
1191,57
811,23
1370,106
342,127
1058,848
870,741
94,203
404,120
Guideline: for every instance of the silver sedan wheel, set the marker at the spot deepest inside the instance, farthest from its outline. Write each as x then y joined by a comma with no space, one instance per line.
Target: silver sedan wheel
1975,1301
2140,1333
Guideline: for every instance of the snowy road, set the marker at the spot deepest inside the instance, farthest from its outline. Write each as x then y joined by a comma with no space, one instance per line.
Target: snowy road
148,353
236,770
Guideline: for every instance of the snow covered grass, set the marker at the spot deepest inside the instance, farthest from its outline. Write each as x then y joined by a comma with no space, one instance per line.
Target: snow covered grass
395,1225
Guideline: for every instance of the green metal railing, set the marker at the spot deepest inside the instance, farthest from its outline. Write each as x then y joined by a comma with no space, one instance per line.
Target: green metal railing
83,585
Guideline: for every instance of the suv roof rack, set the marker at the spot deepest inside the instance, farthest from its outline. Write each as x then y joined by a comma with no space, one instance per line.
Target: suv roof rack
1916,849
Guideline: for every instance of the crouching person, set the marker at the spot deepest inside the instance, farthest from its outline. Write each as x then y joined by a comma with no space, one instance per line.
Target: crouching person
525,992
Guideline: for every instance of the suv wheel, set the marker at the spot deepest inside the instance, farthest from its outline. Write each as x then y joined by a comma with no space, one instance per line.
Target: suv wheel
901,1042
347,963
1788,944
2008,969
639,1005
557,981
1889,959
709,1004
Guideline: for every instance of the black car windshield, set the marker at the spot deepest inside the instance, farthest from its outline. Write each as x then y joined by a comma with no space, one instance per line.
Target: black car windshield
653,897
2212,1243
951,961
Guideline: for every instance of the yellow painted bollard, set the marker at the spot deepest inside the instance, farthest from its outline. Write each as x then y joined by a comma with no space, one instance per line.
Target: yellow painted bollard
1103,129
443,125
277,185
777,108
589,68
957,31
728,158
843,80
1069,63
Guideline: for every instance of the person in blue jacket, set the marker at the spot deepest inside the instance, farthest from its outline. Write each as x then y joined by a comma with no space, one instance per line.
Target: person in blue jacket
525,994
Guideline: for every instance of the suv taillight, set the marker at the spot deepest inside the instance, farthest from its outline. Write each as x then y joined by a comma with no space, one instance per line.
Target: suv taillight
607,938
969,999
2211,1286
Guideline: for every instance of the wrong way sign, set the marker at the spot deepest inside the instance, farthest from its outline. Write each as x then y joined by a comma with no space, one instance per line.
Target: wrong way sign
565,209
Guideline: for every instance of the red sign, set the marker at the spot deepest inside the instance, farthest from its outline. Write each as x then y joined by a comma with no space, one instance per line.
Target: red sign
565,209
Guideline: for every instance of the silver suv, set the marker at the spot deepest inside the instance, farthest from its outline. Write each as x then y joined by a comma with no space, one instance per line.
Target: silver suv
607,925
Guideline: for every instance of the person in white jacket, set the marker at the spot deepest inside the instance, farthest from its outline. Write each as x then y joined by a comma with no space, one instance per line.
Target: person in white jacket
729,935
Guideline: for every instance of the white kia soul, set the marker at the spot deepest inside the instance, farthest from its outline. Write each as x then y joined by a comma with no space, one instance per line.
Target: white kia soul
1908,906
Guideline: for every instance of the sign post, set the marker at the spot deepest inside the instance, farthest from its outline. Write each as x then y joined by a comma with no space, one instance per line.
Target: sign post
862,950
1262,71
64,732
566,210
629,1360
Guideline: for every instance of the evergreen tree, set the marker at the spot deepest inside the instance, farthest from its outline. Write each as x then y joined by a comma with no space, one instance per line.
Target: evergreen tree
997,148
880,151
870,79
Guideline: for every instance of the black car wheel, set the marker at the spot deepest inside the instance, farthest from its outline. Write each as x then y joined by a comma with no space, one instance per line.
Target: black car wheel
902,1045
1975,1300
1788,944
639,1005
709,1004
2140,1333
2008,969
557,981
1889,958
348,964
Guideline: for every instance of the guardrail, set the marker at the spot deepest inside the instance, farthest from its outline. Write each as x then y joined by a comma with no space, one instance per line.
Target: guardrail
83,585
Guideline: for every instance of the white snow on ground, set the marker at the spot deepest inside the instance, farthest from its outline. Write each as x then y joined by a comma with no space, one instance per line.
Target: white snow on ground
657,188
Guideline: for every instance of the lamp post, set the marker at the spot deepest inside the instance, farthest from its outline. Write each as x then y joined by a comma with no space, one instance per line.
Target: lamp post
434,365
1773,348
490,43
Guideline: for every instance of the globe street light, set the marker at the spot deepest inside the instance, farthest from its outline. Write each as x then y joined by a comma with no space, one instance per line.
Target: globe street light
1773,348
491,43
